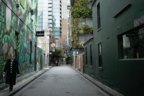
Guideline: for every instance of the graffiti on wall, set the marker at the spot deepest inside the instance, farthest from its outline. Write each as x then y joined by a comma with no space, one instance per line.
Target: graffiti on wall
16,36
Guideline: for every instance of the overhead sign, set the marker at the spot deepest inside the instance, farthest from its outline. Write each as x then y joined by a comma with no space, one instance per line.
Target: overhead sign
39,33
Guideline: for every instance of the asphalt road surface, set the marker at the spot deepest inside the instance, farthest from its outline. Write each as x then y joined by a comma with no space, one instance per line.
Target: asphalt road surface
61,81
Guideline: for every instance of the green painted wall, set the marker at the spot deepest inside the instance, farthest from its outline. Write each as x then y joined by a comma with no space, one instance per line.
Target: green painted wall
117,17
17,33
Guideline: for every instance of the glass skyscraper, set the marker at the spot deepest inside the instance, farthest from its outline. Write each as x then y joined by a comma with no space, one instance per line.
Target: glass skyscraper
57,18
54,19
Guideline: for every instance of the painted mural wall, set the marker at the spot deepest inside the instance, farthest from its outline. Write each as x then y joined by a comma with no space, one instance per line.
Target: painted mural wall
17,33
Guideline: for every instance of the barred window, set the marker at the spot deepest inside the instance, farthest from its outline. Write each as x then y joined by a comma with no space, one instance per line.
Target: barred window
131,44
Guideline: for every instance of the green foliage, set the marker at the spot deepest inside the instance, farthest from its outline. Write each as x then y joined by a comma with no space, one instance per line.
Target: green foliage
58,53
80,46
74,32
81,9
85,29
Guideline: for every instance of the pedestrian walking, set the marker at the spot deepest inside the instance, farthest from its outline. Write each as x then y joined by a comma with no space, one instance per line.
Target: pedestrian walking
10,71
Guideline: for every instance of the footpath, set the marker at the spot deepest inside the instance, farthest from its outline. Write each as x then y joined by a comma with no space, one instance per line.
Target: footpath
103,87
23,81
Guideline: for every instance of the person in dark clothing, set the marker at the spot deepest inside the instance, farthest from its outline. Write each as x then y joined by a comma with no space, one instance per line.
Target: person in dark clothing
10,71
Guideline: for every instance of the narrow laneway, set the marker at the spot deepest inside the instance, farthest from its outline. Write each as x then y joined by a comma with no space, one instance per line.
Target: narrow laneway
61,81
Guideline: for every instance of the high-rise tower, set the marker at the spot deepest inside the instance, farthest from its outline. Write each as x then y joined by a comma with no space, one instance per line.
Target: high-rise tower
54,21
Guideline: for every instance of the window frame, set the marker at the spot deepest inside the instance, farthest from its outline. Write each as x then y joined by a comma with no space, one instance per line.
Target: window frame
124,51
100,59
98,16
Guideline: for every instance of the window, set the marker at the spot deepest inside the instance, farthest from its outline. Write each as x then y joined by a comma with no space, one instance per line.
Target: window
30,52
86,55
99,54
91,59
98,16
131,44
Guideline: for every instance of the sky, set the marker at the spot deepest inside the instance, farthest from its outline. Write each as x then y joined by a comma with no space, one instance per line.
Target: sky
65,11
43,6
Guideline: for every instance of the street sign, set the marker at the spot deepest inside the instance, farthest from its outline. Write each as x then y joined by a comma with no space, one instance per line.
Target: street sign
39,33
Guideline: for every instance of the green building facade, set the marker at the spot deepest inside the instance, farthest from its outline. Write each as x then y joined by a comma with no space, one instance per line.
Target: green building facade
118,45
17,33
